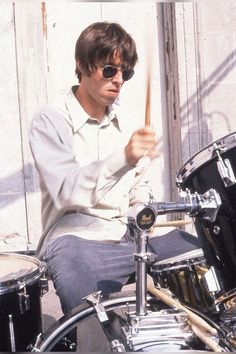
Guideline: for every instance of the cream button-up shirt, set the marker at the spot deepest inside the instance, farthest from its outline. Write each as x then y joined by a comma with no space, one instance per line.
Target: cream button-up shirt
86,182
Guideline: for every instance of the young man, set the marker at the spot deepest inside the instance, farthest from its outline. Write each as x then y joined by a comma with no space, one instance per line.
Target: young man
91,173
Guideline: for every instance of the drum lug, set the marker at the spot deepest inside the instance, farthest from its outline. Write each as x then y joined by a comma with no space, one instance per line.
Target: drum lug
24,302
34,348
225,169
226,172
211,281
117,346
210,203
95,300
43,283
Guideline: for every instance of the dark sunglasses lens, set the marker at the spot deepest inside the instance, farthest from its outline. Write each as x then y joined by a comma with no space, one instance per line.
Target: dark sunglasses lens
109,71
127,74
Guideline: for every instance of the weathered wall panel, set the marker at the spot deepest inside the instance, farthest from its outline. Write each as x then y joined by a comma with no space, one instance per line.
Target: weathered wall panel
12,196
31,71
205,59
207,72
64,22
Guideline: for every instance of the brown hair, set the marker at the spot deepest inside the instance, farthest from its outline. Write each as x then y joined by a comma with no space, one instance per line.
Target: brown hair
99,42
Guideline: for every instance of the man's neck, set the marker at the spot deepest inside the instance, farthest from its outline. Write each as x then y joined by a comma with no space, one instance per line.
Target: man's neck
91,107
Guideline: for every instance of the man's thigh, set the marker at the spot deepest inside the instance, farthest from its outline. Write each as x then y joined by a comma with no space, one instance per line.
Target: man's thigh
79,267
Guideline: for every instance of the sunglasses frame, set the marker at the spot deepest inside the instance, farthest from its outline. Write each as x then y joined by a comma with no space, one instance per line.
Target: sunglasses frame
114,69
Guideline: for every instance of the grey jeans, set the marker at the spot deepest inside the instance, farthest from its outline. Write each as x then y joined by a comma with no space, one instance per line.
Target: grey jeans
79,267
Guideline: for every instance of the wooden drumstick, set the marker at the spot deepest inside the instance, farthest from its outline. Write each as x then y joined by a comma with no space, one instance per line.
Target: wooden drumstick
172,223
200,327
148,83
205,338
193,318
147,109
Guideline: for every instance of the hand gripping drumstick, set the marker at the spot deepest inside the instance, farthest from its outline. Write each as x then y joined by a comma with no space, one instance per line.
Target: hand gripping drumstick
200,327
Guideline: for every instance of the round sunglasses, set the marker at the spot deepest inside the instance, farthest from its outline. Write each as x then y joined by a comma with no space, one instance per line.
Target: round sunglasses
109,71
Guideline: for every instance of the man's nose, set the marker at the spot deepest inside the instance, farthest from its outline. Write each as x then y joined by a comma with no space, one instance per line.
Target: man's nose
118,77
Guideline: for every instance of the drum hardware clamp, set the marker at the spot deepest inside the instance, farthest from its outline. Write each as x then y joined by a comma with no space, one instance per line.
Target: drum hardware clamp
117,346
43,281
24,301
34,348
95,300
211,282
143,216
43,285
204,205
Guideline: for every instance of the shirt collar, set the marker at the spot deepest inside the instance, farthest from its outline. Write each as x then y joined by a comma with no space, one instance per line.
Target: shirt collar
79,117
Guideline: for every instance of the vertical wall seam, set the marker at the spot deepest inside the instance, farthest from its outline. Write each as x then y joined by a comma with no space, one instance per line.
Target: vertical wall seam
21,128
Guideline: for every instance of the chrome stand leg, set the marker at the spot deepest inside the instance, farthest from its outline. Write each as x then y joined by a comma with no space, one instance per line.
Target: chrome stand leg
141,257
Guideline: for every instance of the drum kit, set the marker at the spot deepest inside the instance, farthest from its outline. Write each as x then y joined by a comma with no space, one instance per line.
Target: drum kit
183,303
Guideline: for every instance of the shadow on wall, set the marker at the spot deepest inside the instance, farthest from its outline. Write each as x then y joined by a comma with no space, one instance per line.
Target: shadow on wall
18,184
192,111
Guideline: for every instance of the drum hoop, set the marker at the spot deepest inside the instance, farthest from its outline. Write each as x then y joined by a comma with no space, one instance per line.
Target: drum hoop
185,263
11,285
60,328
64,324
226,296
205,155
185,256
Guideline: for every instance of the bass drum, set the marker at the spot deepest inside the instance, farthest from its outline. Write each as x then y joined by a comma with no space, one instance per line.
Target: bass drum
120,330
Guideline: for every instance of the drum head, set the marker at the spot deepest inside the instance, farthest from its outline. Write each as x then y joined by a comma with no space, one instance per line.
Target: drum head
182,257
17,270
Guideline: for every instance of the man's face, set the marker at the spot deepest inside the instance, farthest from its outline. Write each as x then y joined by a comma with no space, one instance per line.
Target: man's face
100,90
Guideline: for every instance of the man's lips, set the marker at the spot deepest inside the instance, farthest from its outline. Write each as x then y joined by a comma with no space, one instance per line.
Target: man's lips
114,92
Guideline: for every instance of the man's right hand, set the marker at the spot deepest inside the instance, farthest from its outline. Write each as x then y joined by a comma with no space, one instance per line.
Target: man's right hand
142,143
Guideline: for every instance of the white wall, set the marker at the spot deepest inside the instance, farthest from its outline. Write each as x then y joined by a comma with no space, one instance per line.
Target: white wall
206,56
206,40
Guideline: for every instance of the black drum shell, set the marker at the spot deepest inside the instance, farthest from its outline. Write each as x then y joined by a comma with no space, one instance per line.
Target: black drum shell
218,239
184,278
27,324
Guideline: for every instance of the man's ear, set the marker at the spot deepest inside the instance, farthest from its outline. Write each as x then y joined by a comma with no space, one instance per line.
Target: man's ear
77,64
78,70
